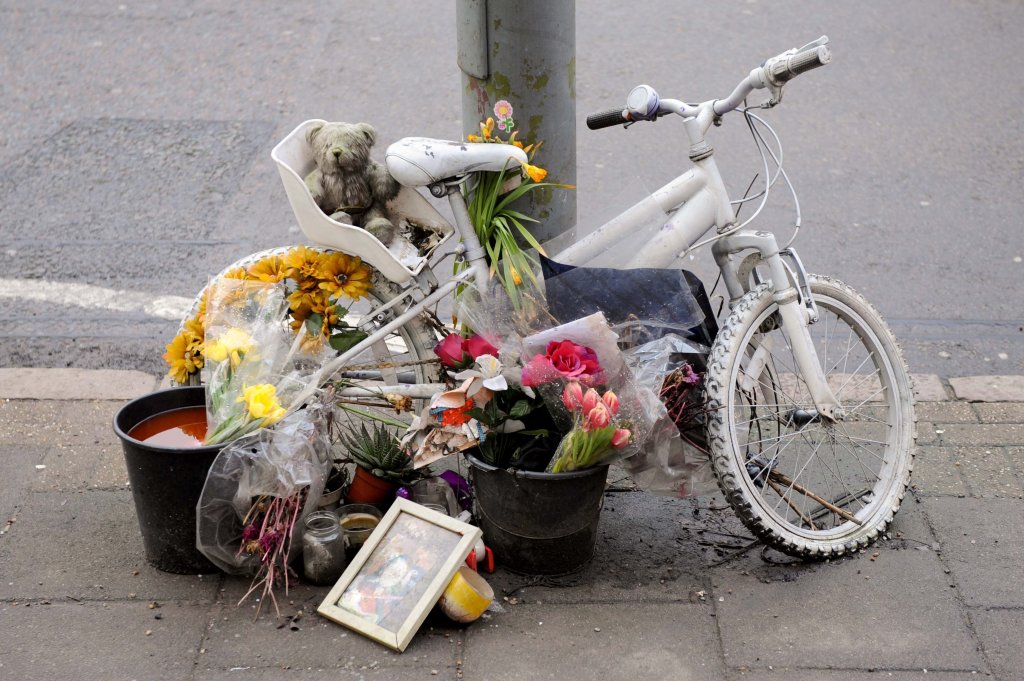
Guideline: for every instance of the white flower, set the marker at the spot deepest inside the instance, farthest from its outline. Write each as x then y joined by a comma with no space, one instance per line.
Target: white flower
486,373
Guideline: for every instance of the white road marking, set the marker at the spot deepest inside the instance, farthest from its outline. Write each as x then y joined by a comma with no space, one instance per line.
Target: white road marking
95,297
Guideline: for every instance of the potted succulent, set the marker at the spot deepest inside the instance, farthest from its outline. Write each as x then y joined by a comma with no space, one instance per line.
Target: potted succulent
381,463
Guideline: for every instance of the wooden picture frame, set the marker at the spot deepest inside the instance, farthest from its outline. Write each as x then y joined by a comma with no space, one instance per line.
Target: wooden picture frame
400,573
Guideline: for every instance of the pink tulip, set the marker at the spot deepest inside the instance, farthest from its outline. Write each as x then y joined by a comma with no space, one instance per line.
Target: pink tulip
590,400
572,396
612,400
621,438
598,417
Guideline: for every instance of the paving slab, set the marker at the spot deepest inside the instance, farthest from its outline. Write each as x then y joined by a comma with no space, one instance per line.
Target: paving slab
888,613
29,422
929,388
935,472
99,641
970,434
247,673
989,472
86,545
74,384
235,640
1000,634
981,543
616,642
1000,412
946,412
647,550
17,472
989,388
788,674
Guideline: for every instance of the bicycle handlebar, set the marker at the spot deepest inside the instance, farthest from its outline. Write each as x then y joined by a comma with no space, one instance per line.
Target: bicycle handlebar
606,119
786,69
773,74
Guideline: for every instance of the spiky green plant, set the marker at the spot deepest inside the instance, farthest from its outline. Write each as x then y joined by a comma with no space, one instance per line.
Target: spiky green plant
378,452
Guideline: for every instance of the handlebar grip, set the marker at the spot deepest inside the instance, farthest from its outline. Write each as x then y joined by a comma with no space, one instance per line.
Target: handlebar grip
606,119
786,69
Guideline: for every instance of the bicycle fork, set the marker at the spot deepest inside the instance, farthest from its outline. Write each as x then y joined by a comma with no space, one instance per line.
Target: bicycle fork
792,294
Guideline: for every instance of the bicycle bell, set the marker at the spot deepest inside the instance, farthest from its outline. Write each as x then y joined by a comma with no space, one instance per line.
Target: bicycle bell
642,103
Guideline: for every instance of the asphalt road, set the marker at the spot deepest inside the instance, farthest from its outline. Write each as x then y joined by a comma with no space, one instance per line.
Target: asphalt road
135,139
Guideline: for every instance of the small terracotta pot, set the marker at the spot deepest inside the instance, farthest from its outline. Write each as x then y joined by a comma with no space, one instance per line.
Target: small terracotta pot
367,488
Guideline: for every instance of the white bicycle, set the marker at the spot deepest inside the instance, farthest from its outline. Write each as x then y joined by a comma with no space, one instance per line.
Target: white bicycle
809,405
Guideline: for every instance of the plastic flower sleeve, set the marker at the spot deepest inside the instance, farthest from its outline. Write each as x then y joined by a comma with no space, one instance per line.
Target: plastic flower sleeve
675,461
254,362
291,458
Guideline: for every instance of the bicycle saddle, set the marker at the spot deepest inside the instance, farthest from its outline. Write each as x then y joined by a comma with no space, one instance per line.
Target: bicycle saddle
419,161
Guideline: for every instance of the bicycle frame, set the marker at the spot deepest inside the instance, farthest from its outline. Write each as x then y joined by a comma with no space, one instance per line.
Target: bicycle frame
698,202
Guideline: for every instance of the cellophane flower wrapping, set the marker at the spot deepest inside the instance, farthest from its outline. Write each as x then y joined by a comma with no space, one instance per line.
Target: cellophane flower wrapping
255,364
291,458
675,460
590,390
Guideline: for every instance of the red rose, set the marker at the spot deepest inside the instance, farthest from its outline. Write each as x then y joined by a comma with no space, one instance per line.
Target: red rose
572,360
451,351
477,346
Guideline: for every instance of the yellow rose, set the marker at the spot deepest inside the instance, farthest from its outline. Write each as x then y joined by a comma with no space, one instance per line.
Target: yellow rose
262,402
235,343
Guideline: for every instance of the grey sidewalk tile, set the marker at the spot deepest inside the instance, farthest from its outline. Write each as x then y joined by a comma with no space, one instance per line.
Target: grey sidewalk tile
981,542
929,388
1000,634
989,388
71,468
834,613
17,473
646,551
235,640
390,673
989,472
613,642
935,472
1016,455
94,641
945,412
971,434
86,545
28,422
924,674
1001,412
74,384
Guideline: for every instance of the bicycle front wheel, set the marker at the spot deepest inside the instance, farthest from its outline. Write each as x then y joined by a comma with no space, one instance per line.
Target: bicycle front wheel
807,486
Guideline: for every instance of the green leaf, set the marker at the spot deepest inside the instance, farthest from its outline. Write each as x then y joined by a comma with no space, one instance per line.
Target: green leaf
314,324
346,340
520,409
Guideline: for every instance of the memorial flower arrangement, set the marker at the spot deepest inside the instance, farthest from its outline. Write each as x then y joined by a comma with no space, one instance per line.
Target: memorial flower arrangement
498,225
319,287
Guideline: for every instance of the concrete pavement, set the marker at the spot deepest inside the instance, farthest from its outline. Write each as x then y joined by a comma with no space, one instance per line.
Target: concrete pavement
668,595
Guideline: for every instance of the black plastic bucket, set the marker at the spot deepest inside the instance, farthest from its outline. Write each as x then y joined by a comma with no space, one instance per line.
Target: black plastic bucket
539,523
166,483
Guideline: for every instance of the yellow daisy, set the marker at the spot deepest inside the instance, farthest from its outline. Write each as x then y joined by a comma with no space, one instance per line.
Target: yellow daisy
271,269
343,274
184,354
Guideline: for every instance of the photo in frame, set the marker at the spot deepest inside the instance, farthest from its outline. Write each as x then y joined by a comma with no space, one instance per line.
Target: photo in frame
400,573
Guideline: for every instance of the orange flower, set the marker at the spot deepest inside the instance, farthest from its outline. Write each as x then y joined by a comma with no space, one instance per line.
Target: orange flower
341,273
271,269
536,173
458,416
302,264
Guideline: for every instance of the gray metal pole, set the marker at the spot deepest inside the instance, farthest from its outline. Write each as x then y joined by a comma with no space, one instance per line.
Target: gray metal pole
524,52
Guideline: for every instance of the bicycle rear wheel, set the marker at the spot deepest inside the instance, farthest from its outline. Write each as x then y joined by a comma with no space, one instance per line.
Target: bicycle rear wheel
807,486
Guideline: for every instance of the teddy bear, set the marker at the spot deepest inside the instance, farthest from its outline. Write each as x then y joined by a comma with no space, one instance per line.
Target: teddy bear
347,184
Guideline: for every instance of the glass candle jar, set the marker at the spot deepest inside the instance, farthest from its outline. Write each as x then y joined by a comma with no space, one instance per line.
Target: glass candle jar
323,548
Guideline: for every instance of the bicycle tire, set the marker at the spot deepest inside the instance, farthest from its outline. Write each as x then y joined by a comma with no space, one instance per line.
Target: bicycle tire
764,433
